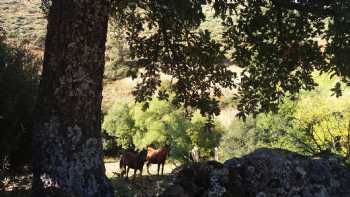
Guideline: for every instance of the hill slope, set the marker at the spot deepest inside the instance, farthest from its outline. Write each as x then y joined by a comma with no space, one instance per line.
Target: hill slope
24,22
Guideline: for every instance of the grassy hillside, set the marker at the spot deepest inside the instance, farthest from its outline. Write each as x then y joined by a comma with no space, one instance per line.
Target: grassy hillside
24,22
116,90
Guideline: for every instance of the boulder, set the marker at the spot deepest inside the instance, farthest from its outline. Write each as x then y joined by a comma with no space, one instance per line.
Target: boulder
209,178
263,173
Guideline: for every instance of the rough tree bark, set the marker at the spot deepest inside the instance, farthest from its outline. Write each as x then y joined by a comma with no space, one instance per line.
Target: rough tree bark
67,157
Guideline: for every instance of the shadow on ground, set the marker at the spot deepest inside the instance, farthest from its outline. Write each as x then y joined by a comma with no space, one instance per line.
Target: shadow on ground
145,186
19,185
16,193
141,186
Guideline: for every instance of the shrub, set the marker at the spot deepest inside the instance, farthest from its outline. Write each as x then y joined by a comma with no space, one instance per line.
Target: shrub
312,123
239,138
119,125
204,134
18,84
161,123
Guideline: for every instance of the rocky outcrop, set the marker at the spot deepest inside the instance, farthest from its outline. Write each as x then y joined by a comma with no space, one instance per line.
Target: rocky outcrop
264,173
209,178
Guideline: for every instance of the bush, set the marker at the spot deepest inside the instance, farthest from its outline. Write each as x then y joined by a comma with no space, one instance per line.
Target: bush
110,146
202,135
161,123
239,138
312,123
119,125
18,84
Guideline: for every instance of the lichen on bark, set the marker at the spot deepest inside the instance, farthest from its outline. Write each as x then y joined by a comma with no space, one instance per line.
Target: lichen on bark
67,132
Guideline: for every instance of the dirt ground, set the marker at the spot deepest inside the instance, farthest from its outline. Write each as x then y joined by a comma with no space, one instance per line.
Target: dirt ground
112,167
19,185
140,186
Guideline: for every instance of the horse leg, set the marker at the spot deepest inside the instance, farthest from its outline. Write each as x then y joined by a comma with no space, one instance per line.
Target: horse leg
127,172
134,174
148,164
121,167
158,169
162,168
123,171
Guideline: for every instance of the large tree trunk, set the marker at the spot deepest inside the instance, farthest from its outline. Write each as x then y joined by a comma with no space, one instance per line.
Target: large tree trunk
67,157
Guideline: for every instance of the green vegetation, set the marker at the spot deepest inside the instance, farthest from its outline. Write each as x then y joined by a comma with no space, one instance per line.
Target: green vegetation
18,84
311,123
161,123
239,138
280,44
118,60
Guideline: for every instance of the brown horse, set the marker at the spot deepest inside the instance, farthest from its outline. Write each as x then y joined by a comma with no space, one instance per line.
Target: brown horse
157,156
132,160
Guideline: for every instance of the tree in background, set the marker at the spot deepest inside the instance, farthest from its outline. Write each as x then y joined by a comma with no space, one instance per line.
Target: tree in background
312,123
205,135
239,138
161,123
119,123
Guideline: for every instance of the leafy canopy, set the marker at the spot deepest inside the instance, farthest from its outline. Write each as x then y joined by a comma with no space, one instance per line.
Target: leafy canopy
278,43
163,37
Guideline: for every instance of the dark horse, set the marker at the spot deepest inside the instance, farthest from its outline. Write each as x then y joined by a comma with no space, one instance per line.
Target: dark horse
157,156
132,160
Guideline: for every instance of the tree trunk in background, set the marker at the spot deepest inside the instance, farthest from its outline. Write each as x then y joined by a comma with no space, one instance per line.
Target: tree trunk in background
67,157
